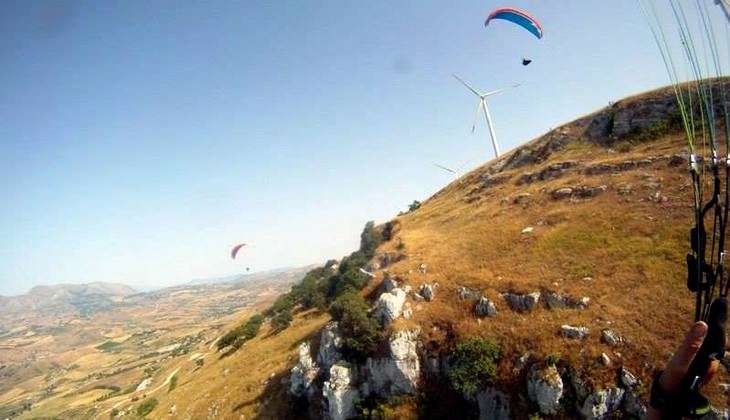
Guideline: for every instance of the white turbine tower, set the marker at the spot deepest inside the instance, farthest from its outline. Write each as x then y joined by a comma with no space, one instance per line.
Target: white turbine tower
483,106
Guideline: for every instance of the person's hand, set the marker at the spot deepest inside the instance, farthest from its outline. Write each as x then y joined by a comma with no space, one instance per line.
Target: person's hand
678,365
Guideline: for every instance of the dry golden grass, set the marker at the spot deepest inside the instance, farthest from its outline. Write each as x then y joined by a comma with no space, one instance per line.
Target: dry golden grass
631,246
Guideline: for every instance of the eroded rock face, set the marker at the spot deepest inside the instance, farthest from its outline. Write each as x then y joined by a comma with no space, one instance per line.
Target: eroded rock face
485,307
468,293
569,331
390,305
340,393
600,403
556,300
427,291
545,388
303,373
398,373
330,346
493,405
610,337
522,303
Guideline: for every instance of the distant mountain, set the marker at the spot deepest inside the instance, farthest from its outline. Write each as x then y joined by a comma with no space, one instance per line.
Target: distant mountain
238,278
61,300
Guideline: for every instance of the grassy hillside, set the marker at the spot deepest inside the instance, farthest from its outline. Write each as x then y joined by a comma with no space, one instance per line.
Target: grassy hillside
618,236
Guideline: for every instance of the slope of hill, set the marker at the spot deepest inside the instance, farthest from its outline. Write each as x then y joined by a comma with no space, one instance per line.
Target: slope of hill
584,227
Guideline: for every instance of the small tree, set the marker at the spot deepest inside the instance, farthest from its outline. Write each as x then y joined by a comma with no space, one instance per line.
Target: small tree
146,407
282,320
415,205
360,333
474,363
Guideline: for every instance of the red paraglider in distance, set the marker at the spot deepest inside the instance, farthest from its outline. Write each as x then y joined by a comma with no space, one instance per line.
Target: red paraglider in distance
235,250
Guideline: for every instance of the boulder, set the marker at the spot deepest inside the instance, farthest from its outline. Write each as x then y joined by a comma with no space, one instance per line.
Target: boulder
330,346
601,403
423,268
522,303
389,306
303,373
339,392
610,337
605,360
628,379
569,331
398,373
634,406
389,283
545,388
467,293
556,300
485,307
427,291
493,405
561,193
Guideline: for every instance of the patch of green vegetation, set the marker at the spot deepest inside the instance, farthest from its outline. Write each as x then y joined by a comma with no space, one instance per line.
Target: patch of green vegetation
378,408
146,407
109,346
360,333
173,383
242,333
474,363
552,359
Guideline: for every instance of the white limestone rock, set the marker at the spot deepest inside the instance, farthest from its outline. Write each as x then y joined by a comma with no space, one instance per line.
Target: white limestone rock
545,388
389,306
493,405
339,392
600,403
398,373
303,373
485,307
330,346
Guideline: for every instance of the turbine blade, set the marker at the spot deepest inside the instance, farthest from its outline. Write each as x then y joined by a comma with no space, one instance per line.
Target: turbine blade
445,168
466,85
494,92
476,116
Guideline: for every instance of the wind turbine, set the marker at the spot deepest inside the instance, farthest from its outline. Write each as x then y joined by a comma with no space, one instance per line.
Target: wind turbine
483,106
453,171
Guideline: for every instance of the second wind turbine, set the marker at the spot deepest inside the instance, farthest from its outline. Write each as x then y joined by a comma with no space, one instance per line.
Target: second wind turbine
483,106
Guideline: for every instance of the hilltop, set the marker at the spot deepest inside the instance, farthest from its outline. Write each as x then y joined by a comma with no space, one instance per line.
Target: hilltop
567,254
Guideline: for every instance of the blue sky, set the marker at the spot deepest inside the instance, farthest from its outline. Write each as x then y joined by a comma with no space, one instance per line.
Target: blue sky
140,140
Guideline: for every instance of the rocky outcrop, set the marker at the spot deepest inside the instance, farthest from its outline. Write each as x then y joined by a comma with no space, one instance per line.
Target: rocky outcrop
398,373
468,293
493,405
485,307
330,346
339,392
389,283
303,373
581,191
556,301
427,291
552,171
600,403
522,303
389,306
545,388
610,337
569,331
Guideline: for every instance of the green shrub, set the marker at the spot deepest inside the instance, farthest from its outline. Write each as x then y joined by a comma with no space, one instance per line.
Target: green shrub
474,363
146,407
282,320
360,333
415,205
237,336
173,383
552,359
